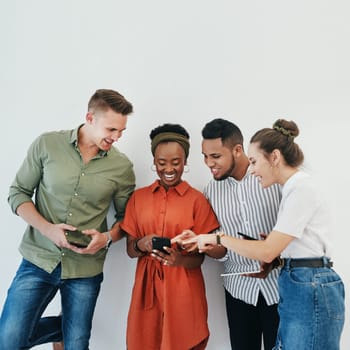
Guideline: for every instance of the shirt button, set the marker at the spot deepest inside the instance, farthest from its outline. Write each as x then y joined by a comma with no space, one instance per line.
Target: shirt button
62,254
70,214
82,174
75,194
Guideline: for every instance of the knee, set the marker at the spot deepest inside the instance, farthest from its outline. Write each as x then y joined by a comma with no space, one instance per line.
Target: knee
11,336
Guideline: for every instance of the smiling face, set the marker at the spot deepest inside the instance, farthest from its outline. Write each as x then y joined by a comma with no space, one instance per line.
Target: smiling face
169,159
105,127
219,158
261,166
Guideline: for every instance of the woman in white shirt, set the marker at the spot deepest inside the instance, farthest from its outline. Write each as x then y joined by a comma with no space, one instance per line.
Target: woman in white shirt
311,306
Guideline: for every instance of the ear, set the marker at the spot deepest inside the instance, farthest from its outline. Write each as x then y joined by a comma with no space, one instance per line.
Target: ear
237,150
89,117
275,157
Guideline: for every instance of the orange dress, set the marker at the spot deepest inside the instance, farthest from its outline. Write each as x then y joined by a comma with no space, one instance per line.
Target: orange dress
168,309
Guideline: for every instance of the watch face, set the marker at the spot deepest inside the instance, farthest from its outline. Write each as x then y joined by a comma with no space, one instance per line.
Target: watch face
109,239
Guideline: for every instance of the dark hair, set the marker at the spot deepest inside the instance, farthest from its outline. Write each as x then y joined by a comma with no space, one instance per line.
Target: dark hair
229,133
280,136
170,132
104,99
176,128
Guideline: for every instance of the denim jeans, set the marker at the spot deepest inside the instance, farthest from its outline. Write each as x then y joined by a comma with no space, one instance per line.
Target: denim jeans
311,309
21,324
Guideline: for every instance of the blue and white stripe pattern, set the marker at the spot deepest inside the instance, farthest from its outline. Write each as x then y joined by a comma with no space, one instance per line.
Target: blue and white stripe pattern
245,206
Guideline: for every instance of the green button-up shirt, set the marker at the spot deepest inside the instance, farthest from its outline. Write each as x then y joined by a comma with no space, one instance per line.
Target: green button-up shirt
69,191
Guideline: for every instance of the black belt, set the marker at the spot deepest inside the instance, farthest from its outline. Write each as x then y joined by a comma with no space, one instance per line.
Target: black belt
314,262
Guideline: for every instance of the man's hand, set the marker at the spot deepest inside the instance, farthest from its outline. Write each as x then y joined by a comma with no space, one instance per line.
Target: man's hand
98,242
265,269
56,233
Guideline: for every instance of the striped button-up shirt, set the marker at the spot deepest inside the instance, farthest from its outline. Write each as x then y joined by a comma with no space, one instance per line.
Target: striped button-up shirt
245,206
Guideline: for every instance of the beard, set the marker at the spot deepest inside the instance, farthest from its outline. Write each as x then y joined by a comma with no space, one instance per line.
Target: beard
227,173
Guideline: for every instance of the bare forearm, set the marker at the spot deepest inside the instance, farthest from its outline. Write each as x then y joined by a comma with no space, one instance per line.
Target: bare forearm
265,250
116,232
217,252
28,212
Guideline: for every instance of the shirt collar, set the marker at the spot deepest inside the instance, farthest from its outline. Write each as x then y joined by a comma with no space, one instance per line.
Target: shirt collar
181,188
74,141
74,136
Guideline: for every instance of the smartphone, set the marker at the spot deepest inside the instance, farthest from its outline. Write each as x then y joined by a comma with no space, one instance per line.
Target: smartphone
77,238
247,237
160,242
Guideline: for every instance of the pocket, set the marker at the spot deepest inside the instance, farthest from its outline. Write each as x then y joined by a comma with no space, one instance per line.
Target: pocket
334,295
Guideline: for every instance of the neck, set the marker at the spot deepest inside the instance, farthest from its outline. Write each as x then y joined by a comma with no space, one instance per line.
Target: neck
286,174
240,168
88,150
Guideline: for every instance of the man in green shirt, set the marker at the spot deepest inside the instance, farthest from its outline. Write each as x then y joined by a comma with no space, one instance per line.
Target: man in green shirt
74,176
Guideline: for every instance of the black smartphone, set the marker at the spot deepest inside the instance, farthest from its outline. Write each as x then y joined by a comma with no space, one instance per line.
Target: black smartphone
160,242
247,237
77,238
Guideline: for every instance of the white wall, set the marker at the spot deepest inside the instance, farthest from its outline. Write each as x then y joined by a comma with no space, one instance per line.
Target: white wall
177,61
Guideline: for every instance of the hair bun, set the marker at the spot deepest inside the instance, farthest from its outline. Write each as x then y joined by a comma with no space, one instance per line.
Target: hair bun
287,128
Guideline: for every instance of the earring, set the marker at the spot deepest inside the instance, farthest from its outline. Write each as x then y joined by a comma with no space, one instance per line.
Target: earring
153,168
186,168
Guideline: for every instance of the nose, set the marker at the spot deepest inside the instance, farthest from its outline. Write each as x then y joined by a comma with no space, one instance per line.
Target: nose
209,162
117,135
168,168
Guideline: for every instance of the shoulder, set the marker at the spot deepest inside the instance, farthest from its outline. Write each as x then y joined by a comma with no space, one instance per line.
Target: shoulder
48,135
303,187
216,185
145,189
51,139
121,157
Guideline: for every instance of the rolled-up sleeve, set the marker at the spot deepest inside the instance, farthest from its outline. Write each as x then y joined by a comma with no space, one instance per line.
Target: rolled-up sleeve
27,178
126,186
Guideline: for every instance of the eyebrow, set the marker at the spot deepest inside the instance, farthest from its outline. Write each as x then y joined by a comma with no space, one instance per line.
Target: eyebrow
211,154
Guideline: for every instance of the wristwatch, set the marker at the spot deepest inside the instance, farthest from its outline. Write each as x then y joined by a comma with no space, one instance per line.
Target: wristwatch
109,239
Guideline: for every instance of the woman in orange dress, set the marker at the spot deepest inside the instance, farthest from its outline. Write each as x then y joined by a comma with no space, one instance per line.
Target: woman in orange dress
168,309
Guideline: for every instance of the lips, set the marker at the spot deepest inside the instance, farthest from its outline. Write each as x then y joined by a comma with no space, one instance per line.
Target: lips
168,177
108,142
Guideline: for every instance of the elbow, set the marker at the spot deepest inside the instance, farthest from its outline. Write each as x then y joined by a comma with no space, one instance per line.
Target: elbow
268,259
269,256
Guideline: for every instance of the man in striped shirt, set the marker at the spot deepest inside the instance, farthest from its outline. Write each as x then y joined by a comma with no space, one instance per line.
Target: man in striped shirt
242,205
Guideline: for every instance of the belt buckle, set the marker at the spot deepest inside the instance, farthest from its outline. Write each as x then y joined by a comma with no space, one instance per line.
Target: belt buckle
278,262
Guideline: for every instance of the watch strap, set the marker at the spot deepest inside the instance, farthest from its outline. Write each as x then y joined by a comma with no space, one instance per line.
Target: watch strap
109,239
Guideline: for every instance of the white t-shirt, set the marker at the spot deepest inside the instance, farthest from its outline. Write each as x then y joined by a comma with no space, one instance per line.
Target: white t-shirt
304,214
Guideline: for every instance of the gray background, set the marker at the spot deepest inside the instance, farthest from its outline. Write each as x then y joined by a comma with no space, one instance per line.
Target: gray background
177,61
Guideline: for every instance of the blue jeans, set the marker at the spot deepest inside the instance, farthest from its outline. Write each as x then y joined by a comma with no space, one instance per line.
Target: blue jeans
21,324
311,309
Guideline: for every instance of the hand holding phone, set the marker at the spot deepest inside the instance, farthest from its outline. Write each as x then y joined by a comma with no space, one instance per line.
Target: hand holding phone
77,238
160,242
